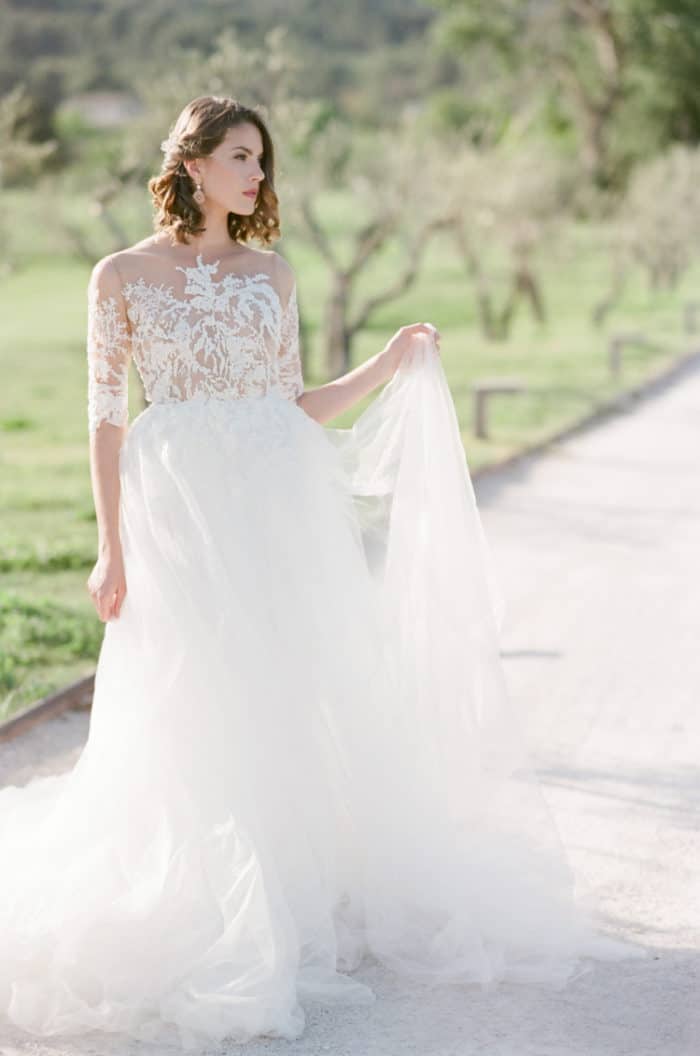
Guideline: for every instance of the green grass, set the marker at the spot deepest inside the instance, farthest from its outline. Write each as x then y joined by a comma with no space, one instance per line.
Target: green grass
46,642
49,632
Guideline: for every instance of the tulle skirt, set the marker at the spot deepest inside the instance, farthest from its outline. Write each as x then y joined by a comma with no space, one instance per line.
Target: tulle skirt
301,753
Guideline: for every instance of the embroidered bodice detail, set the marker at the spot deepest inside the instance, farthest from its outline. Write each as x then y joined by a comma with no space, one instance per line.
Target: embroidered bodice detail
229,336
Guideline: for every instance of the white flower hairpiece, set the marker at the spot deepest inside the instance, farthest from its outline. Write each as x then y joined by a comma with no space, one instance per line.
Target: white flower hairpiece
168,144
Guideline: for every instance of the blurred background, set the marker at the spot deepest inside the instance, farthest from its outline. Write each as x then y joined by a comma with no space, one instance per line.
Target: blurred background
524,175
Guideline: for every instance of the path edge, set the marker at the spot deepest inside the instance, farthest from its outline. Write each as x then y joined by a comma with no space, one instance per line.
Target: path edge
76,696
619,402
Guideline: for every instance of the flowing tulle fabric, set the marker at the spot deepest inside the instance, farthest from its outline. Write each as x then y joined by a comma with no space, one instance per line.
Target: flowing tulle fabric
301,750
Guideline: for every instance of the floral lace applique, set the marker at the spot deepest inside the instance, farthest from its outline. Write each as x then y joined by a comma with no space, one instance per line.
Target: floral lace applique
229,337
289,373
108,350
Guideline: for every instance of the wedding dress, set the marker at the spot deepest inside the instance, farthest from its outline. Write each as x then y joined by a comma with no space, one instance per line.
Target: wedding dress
301,752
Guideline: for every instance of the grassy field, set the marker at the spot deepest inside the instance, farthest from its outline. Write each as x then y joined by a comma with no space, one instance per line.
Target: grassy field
49,633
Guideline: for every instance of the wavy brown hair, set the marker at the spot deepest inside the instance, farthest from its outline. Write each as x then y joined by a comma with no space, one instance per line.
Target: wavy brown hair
198,130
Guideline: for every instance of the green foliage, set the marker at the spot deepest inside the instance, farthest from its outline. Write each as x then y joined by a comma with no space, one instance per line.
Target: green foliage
85,45
665,35
28,628
623,76
43,556
13,425
20,158
36,635
659,224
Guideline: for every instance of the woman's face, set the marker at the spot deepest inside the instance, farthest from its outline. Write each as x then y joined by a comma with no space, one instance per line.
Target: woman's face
231,174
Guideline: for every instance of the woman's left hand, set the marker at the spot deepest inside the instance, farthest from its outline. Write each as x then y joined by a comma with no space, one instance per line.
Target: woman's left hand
395,349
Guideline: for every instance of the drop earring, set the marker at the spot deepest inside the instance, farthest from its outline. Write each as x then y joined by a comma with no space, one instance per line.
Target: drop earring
199,195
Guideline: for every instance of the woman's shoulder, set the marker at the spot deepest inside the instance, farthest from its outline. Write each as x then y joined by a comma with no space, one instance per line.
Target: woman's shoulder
121,266
139,259
285,278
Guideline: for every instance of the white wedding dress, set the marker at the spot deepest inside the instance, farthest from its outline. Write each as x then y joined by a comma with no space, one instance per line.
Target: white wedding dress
301,751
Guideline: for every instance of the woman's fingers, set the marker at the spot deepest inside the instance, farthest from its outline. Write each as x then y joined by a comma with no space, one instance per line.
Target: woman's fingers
436,336
119,600
106,603
106,596
428,328
424,328
115,605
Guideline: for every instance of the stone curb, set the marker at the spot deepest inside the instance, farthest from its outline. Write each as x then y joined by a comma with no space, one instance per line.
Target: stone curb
76,695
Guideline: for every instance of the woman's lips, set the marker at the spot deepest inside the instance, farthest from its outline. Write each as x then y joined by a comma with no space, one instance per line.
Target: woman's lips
251,194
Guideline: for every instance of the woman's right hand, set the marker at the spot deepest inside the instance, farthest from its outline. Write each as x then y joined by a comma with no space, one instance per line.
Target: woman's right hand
107,585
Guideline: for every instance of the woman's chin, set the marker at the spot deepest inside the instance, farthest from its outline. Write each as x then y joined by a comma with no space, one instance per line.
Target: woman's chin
243,210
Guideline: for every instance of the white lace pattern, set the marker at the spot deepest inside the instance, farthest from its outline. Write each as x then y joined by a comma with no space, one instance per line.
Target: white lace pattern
228,337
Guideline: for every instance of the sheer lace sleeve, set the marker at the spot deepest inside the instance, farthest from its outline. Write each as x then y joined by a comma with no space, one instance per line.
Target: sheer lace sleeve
289,373
108,347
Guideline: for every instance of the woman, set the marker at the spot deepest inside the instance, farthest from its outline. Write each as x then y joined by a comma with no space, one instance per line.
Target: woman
300,752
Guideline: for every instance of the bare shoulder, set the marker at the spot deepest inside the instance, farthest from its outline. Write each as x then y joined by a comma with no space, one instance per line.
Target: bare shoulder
105,276
264,259
284,273
122,265
274,264
131,261
282,265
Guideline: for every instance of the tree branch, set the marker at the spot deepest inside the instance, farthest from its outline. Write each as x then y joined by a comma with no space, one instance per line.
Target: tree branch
371,238
318,235
405,279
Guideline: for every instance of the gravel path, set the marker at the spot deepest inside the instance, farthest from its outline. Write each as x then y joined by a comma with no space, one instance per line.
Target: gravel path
597,546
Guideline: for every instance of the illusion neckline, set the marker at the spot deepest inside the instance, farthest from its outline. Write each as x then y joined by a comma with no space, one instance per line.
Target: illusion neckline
199,264
210,268
169,289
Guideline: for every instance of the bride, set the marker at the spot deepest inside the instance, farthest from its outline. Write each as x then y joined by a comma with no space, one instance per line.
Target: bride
301,756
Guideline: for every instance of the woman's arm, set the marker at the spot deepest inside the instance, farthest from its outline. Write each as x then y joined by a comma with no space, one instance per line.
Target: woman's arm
105,445
107,581
108,354
330,400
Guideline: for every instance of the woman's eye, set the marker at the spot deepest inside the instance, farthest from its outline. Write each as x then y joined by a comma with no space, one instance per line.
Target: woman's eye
242,157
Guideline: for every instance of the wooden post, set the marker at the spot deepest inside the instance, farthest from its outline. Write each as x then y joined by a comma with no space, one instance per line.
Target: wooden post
615,349
690,316
483,390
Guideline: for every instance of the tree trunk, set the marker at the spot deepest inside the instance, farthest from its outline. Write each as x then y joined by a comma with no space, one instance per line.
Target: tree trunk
523,286
337,338
484,300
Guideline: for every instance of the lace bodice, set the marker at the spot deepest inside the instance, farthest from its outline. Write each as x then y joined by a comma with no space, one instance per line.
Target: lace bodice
208,332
